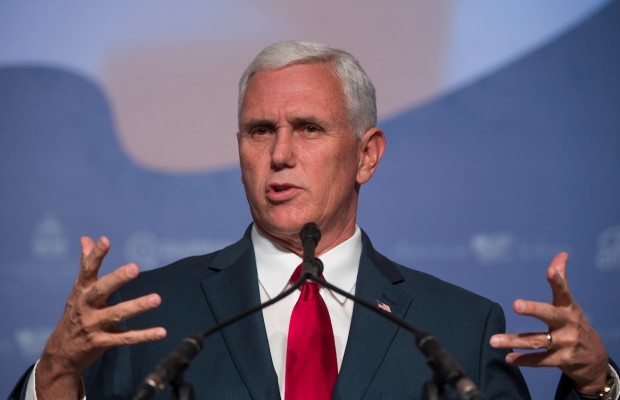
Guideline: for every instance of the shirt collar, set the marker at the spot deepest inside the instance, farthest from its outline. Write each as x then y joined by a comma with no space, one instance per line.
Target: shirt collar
275,264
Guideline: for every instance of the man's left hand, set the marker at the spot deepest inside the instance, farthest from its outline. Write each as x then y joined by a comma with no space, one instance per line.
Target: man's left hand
570,344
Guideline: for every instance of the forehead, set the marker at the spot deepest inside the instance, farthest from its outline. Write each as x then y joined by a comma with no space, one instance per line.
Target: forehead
294,84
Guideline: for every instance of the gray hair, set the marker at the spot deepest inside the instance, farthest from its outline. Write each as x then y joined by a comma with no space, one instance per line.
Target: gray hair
358,90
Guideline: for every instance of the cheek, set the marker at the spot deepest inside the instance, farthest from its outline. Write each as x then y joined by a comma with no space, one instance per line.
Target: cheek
341,175
247,173
344,168
252,175
252,155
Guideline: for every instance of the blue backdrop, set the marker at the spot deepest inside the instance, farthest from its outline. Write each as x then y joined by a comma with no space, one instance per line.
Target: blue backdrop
480,187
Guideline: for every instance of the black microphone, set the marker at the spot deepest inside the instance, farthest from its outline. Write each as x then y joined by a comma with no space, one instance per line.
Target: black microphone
168,369
310,236
445,367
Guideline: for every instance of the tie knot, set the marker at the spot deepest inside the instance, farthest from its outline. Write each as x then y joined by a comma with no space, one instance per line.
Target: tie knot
297,273
309,289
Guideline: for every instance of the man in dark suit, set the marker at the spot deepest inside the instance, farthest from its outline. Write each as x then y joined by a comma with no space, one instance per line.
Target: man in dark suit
307,143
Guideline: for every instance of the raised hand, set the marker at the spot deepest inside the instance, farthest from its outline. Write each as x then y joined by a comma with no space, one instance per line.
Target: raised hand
570,343
88,325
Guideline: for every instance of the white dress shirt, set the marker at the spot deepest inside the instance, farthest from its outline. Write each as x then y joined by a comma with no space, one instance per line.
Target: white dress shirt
275,265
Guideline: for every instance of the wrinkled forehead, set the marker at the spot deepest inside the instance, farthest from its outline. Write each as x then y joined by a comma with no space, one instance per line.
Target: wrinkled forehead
246,80
299,83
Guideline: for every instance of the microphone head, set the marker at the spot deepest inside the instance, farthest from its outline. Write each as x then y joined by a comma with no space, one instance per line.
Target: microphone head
310,231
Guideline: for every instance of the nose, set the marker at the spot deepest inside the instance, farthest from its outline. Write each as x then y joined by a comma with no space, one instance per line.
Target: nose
282,152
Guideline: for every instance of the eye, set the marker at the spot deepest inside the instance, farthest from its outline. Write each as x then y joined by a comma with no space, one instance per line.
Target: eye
311,129
258,132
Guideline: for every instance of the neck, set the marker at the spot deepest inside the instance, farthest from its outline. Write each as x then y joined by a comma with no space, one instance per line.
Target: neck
292,241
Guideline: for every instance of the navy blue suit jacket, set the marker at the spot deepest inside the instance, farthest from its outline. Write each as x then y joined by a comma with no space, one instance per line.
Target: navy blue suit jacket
380,360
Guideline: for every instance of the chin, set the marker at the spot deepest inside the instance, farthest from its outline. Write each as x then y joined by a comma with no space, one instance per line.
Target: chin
286,226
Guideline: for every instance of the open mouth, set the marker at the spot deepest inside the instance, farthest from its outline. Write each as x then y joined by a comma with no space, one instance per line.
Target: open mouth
280,188
281,192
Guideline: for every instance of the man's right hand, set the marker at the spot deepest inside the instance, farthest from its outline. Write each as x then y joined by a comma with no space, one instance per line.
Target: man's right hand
88,326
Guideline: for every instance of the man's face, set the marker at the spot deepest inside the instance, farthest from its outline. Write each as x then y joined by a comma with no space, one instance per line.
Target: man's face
299,158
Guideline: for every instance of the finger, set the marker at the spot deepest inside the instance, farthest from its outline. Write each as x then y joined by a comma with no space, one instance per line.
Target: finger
558,263
87,245
545,312
125,337
529,341
104,286
110,316
92,256
556,276
535,359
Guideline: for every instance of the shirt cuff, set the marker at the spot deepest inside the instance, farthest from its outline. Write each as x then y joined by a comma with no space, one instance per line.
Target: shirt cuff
31,388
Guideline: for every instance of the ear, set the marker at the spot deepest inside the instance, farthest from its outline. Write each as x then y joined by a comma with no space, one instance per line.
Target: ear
372,146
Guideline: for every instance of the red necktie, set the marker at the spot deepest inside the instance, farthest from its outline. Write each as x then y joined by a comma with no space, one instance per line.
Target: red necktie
311,366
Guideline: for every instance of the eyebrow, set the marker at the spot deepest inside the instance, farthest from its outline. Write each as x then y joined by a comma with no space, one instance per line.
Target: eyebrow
297,121
257,122
310,119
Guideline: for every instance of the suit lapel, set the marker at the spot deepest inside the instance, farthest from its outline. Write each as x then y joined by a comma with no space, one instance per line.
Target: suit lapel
370,335
229,292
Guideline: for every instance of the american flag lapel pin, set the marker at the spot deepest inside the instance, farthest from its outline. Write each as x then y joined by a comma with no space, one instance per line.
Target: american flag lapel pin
384,307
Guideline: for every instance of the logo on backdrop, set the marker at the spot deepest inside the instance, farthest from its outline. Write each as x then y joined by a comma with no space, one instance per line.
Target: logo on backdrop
150,251
46,261
608,249
493,248
49,239
32,340
484,248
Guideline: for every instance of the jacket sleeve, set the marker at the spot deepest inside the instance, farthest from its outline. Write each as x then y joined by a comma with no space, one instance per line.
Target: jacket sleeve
19,391
498,379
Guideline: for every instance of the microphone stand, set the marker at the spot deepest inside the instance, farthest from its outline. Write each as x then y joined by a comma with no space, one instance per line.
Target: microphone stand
170,371
445,369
